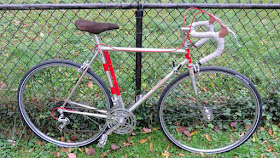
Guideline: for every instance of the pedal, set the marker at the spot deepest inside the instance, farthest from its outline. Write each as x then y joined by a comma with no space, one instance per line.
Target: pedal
102,140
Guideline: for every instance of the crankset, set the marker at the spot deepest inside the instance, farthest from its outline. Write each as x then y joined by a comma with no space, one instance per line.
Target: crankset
124,118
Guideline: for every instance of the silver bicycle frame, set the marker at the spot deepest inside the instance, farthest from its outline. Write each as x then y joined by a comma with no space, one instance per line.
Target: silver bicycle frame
118,99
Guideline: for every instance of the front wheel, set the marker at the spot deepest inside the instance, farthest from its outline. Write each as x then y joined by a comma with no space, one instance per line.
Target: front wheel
44,89
229,115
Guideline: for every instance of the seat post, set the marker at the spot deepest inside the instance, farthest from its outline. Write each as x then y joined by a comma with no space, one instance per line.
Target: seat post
96,39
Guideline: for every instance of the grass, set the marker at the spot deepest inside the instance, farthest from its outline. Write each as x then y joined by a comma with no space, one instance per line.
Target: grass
153,144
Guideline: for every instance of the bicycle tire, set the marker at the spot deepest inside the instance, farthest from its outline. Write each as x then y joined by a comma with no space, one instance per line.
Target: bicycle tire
46,86
221,130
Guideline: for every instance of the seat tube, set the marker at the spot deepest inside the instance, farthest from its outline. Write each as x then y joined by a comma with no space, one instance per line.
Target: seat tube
107,65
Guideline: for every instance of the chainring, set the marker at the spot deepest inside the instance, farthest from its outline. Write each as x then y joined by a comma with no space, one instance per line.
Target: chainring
129,120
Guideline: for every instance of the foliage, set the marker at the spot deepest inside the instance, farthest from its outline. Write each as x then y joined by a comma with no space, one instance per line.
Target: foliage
272,106
144,143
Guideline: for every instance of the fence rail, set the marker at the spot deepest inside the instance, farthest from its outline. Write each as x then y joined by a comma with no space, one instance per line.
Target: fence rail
135,6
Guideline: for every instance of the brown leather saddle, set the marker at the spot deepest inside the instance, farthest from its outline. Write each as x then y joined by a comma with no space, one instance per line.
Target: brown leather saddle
94,27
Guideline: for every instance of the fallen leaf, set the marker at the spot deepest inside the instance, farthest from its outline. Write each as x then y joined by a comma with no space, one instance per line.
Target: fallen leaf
90,151
181,155
144,140
11,141
202,154
72,155
248,127
275,154
180,129
187,133
133,133
90,85
235,157
270,148
205,101
194,132
73,138
63,149
80,150
264,142
114,147
275,140
126,144
165,154
31,150
168,147
69,150
39,142
57,154
151,147
2,84
207,137
231,137
129,138
62,139
233,124
204,89
216,128
155,128
262,129
193,99
103,154
270,132
150,137
42,34
147,130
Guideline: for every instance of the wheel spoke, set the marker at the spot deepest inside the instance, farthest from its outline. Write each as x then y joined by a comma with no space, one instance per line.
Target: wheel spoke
46,87
234,106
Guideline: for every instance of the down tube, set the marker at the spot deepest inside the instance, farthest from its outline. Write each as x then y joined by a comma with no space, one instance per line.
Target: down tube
166,78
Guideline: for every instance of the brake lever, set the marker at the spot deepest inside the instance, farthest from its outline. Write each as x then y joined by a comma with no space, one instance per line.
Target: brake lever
230,32
234,36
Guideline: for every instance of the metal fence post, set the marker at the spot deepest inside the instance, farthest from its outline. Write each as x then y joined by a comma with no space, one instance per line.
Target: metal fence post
139,22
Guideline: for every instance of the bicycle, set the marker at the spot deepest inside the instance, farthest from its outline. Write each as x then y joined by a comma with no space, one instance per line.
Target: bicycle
206,109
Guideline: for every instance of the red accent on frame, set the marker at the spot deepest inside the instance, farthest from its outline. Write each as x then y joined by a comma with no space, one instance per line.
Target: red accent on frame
113,90
188,56
105,67
59,108
109,63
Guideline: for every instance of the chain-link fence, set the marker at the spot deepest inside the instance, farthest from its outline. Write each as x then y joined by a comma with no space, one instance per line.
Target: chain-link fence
34,31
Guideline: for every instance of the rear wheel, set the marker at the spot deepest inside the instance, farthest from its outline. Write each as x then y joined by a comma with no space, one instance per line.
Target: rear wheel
231,111
43,90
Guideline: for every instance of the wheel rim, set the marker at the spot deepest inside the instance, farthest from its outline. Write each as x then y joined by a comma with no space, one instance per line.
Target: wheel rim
200,134
48,85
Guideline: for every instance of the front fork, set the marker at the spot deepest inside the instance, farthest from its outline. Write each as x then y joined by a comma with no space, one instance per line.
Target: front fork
205,111
192,78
